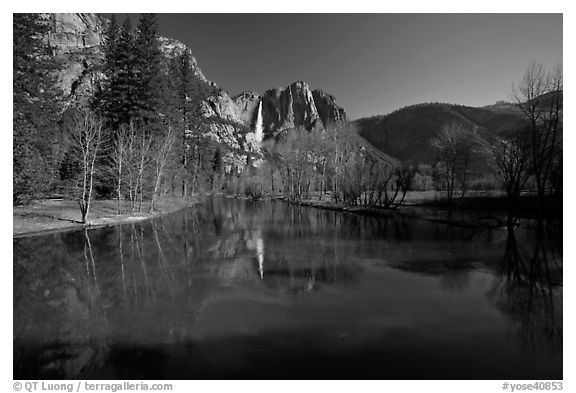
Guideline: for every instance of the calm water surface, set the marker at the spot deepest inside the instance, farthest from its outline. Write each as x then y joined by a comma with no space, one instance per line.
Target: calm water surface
238,289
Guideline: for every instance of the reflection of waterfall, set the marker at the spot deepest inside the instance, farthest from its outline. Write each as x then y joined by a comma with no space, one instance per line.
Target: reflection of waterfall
258,129
255,242
260,255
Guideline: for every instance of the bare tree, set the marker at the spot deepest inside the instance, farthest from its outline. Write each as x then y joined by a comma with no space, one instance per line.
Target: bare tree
539,96
455,145
143,146
160,158
295,163
508,159
122,160
342,142
85,137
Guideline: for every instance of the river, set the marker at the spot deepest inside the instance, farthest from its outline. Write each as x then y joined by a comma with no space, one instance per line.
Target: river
264,290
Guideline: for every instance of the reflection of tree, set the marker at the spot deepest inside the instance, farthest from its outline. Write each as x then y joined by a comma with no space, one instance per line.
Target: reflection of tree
456,282
528,289
59,324
89,297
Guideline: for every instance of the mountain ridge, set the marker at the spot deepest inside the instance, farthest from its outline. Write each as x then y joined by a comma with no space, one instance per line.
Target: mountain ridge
406,132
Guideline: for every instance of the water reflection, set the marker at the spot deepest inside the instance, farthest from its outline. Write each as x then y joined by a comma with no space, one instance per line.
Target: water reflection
232,287
528,287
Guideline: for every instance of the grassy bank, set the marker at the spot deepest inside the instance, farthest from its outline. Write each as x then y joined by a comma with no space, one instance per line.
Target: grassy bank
58,215
478,210
457,218
497,204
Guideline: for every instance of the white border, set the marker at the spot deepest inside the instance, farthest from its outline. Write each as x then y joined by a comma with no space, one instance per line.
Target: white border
295,6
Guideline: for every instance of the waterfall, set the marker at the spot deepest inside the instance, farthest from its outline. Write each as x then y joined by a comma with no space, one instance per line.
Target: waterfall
258,130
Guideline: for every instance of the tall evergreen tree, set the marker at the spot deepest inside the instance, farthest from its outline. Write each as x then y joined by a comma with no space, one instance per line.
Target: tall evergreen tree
188,91
148,58
111,43
102,96
118,101
35,107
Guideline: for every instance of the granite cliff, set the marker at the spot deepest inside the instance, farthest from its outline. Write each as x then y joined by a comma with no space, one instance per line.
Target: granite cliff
282,108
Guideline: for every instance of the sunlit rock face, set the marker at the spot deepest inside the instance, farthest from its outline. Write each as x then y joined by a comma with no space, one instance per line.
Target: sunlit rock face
69,32
298,106
172,48
242,110
246,107
223,106
77,41
290,107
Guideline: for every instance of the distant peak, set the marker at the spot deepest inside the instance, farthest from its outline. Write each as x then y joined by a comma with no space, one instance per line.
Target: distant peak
301,84
247,94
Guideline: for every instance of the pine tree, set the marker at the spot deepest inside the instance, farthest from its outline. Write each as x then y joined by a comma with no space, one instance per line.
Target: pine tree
102,97
148,66
118,101
35,107
110,45
188,91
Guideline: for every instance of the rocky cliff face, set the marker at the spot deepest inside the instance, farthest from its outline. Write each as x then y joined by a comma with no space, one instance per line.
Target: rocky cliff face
77,41
172,48
328,110
246,106
290,107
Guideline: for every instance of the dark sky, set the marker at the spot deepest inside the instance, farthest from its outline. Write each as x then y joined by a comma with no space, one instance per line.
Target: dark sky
372,63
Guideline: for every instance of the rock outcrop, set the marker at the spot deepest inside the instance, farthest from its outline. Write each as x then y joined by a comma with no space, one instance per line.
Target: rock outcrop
220,105
329,111
246,107
288,108
172,48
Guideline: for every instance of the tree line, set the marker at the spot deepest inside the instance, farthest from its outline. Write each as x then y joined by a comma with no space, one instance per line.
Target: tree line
335,164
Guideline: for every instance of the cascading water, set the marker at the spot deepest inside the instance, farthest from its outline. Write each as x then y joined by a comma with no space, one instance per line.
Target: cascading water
258,130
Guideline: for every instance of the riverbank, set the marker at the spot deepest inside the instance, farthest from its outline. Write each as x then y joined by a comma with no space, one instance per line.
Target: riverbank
485,211
55,215
445,216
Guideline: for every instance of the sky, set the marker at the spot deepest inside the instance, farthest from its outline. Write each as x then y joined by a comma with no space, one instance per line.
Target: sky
372,63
